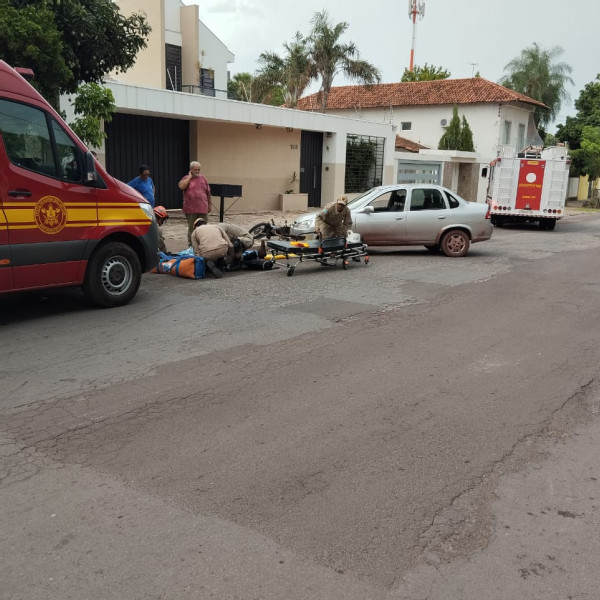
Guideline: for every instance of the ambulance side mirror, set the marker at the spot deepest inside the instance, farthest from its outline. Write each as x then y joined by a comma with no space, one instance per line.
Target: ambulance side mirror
91,175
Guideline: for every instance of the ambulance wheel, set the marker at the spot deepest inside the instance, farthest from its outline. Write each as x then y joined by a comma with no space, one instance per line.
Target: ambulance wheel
113,275
455,243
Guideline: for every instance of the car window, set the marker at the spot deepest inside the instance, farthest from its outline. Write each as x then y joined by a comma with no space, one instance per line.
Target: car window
427,199
454,203
392,201
26,137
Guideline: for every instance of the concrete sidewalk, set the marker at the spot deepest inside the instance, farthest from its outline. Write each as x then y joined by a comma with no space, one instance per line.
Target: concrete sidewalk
175,229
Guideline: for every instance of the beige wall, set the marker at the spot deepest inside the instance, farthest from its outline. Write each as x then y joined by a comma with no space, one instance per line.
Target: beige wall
261,160
149,68
190,48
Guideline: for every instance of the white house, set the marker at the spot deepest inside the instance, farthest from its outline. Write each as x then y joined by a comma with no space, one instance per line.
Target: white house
420,112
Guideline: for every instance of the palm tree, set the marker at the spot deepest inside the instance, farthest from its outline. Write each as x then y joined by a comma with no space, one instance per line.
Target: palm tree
286,76
536,74
329,57
240,87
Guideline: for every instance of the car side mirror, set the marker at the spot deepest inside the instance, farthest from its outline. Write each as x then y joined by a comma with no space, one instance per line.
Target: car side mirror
367,210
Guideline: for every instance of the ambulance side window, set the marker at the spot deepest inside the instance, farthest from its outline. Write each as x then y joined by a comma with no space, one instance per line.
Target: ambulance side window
68,154
26,137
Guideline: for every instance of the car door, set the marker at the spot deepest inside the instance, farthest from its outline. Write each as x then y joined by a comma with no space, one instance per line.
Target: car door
382,221
428,212
48,210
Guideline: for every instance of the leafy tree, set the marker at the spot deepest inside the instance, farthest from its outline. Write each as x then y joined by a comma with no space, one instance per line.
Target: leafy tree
537,74
466,137
425,73
589,157
587,106
28,38
457,136
284,77
240,87
96,105
451,138
329,57
86,38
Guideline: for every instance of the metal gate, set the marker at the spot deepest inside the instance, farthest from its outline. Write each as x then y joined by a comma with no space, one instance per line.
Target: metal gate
419,172
311,164
162,144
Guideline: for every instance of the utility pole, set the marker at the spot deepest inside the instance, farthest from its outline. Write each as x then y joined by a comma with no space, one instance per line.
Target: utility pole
416,8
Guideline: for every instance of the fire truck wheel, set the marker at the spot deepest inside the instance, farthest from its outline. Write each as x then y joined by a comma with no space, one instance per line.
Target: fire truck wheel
455,243
547,224
113,275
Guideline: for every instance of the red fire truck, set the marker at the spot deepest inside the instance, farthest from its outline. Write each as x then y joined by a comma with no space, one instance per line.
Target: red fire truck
64,221
529,187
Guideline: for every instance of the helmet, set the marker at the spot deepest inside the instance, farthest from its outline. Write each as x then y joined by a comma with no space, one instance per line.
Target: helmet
161,212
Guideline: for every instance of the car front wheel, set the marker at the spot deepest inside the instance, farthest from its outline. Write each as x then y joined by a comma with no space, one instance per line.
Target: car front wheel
113,275
455,243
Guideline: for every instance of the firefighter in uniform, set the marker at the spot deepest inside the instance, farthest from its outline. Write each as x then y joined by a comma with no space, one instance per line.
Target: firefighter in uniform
334,220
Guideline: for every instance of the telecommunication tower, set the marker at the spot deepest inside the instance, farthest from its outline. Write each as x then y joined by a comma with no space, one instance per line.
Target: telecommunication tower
416,8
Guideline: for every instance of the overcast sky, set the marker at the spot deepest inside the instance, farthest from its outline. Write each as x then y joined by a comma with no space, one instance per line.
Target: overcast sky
464,37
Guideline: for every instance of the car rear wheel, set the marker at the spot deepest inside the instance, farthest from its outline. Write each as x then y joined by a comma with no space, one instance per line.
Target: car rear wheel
455,243
113,275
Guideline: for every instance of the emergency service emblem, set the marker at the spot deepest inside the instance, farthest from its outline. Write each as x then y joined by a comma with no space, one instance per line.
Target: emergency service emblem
50,214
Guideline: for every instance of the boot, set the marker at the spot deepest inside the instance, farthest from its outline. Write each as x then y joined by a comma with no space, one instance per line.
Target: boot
262,251
210,265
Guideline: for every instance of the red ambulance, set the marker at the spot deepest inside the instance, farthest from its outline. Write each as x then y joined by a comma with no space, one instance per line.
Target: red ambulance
64,221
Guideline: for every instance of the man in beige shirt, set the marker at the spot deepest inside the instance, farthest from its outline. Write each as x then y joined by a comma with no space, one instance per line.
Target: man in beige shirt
212,243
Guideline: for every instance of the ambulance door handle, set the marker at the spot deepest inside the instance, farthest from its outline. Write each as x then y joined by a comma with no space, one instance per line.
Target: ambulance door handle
17,193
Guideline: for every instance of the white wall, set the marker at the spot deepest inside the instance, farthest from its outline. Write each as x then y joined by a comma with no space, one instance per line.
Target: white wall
215,55
485,121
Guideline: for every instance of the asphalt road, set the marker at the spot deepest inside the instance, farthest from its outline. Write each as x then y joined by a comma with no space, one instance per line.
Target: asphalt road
421,428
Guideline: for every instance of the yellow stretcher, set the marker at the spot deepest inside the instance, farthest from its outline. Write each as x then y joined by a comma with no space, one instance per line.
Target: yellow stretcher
326,252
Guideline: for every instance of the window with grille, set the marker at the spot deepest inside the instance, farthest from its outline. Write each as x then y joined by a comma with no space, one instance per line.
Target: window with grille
207,82
173,63
364,162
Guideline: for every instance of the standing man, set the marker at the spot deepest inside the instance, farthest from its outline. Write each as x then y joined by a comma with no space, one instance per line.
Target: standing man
334,220
144,184
196,197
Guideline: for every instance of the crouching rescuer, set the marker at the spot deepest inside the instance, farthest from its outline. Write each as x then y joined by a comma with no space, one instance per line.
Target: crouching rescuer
241,240
334,220
212,243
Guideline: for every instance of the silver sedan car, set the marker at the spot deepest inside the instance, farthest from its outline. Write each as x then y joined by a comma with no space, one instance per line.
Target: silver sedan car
414,215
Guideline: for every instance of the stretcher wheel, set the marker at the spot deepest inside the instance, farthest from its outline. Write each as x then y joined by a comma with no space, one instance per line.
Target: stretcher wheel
366,260
345,264
290,271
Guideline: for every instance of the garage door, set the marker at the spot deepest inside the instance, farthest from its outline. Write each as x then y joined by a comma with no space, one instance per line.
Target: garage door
419,172
162,144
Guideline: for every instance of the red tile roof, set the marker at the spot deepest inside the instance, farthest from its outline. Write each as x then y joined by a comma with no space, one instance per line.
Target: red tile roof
406,144
416,93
